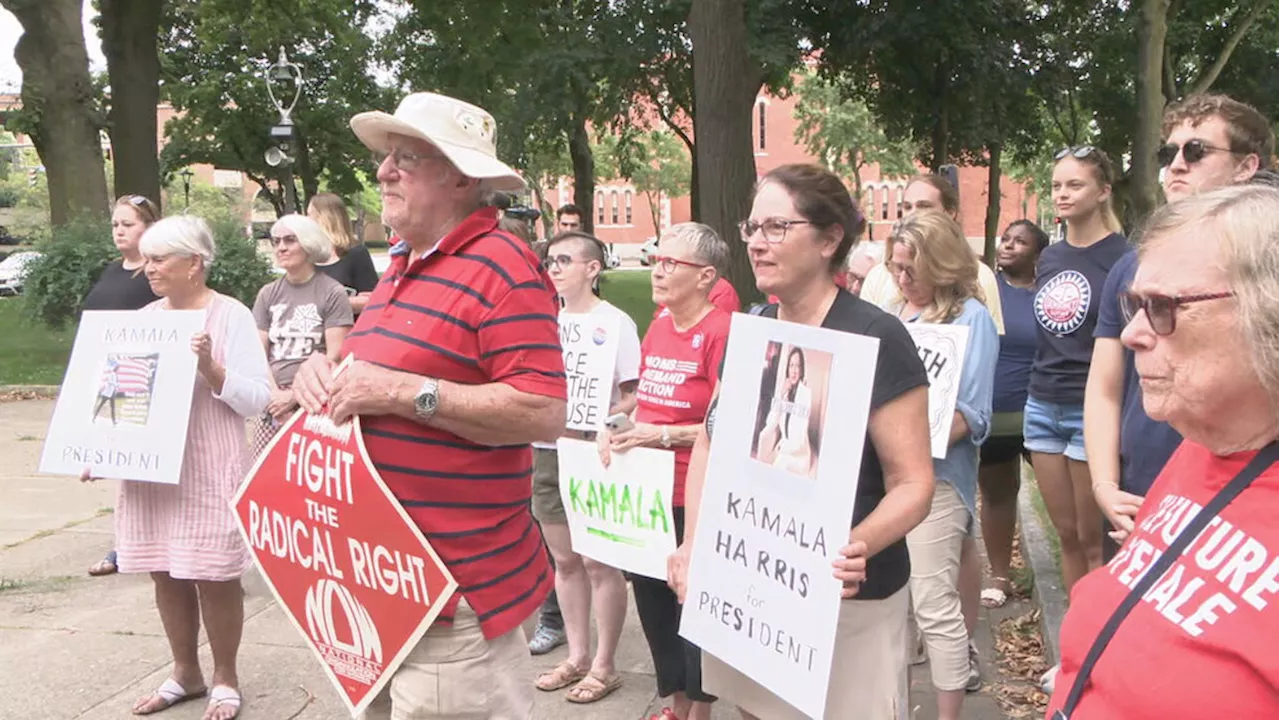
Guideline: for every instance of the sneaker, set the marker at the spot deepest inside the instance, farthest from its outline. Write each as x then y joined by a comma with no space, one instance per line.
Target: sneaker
974,683
546,639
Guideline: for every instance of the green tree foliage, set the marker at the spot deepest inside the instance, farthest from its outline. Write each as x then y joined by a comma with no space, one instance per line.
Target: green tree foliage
215,59
842,132
238,270
74,256
654,161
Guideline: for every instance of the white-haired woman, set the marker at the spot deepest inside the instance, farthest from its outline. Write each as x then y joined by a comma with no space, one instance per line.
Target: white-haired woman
302,313
185,535
1200,641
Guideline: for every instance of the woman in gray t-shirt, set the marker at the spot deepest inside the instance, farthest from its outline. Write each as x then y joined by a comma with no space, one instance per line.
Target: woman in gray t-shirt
302,313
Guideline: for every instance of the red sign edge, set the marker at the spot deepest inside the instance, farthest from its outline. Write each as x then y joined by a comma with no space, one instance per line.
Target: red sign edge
432,612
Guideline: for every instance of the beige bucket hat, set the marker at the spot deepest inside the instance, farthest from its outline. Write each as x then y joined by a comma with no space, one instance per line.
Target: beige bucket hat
463,132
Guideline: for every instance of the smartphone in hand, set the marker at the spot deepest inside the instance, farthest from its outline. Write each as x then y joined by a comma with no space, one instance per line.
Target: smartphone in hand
619,423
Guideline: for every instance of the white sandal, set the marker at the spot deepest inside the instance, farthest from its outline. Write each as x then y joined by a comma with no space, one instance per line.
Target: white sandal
223,695
995,597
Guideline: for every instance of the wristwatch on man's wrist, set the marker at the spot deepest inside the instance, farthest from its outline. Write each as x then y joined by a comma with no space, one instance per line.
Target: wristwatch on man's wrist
427,400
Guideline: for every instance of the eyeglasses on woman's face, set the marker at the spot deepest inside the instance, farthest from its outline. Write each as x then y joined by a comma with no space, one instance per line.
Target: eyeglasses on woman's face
286,240
1162,310
669,264
1193,151
774,229
558,262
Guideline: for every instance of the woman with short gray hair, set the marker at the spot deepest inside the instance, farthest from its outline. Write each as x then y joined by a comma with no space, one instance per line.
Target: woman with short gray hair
302,313
1194,584
185,535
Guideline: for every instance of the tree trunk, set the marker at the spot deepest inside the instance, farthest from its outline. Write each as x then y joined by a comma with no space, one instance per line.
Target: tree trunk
584,172
993,203
725,83
655,210
59,103
129,37
1152,29
289,189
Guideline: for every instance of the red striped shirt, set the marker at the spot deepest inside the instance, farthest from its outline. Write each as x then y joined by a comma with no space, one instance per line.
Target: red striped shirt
476,310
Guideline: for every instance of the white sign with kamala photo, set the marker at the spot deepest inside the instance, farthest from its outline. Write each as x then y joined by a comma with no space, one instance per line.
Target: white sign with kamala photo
941,349
126,398
620,515
778,502
590,345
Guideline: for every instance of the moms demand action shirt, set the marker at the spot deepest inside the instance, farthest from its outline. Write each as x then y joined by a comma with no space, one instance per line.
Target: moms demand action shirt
1202,643
1069,282
678,371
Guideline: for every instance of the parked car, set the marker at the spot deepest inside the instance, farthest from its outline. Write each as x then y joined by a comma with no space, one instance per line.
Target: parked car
648,250
13,271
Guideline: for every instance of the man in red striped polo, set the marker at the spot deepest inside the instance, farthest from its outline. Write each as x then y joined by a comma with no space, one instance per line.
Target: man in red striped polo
458,369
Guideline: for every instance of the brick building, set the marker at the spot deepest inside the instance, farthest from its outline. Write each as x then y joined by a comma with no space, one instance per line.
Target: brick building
623,215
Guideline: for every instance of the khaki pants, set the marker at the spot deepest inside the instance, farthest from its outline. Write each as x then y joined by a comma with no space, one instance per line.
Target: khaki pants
935,547
455,674
868,668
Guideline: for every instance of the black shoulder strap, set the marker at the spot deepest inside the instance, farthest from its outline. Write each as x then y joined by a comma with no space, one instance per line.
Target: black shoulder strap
1265,458
763,310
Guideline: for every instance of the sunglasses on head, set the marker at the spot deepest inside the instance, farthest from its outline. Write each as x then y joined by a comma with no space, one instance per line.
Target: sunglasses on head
1078,152
1193,151
1162,310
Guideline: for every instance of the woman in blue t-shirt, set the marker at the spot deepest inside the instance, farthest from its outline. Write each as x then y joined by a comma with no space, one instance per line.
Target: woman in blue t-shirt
1069,280
937,281
999,471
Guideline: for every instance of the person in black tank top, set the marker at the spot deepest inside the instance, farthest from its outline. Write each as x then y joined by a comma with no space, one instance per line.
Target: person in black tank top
123,285
352,265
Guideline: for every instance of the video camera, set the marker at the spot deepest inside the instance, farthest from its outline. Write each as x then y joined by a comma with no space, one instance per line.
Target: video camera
523,212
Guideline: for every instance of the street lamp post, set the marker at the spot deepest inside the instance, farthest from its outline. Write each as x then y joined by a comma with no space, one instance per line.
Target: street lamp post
186,187
286,77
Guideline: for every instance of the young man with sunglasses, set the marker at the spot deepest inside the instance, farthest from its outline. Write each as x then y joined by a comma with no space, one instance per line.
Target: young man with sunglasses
1210,141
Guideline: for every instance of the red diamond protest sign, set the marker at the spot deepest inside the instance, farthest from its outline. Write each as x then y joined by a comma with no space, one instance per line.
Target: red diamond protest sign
351,570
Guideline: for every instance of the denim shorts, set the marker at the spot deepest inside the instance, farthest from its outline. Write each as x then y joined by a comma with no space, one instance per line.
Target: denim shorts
1054,429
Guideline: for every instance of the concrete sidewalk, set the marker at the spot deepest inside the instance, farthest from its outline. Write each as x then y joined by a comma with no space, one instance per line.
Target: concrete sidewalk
72,646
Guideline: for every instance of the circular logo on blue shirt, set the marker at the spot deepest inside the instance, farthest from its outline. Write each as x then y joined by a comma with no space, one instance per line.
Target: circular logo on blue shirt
1062,305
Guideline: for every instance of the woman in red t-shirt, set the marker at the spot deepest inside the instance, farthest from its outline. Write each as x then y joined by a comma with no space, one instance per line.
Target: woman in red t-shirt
1201,642
680,361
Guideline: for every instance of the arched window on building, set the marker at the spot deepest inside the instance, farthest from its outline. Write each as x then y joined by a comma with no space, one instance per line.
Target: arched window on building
599,208
886,199
627,199
901,192
613,208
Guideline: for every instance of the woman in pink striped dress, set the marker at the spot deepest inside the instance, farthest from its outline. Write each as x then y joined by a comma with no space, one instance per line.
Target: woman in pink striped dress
185,535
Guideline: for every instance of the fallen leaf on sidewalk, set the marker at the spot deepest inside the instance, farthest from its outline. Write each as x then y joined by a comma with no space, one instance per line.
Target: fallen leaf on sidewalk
1020,652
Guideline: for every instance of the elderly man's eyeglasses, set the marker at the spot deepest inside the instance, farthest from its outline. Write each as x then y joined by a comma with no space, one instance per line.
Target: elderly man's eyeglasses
404,160
1193,151
774,229
1162,310
669,264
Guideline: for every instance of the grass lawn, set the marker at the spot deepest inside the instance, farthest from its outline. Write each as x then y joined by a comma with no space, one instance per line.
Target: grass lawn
31,354
35,355
629,291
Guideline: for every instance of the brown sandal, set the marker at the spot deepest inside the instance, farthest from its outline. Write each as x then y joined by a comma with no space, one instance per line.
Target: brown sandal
559,677
592,688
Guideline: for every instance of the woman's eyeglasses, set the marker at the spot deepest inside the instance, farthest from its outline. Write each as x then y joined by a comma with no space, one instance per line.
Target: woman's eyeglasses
1162,310
557,262
277,241
896,269
775,229
1193,151
669,264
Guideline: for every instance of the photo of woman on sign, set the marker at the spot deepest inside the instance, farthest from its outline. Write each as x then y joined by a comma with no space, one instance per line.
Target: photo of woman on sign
788,437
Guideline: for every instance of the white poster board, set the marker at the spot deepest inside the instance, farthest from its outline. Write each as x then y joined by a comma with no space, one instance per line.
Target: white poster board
590,346
941,349
778,502
620,515
126,398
